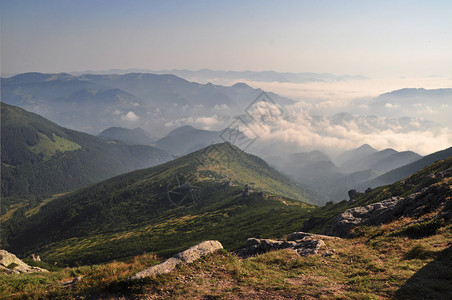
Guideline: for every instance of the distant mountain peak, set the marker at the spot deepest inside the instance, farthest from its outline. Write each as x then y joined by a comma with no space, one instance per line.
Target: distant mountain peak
181,130
136,136
366,147
240,85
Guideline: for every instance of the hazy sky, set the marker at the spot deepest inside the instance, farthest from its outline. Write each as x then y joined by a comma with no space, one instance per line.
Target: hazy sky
372,38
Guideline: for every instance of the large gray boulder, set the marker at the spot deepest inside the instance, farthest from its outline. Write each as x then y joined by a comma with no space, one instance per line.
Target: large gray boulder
10,264
197,251
188,256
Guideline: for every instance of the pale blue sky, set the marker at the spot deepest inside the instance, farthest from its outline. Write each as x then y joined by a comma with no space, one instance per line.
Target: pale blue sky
372,38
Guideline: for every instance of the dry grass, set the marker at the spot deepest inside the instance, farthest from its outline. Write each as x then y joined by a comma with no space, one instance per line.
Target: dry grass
374,265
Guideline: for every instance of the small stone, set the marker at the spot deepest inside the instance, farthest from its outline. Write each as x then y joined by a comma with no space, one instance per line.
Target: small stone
329,253
297,236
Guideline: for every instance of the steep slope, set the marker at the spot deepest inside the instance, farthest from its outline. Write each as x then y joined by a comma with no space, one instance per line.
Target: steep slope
404,171
40,158
358,167
435,179
381,161
164,208
136,136
409,256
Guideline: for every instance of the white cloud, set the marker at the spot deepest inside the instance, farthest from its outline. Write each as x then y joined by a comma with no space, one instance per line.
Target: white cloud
203,122
391,106
130,116
221,106
426,110
304,132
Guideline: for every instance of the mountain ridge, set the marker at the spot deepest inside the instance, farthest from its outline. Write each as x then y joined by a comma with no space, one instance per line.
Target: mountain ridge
226,186
136,136
40,158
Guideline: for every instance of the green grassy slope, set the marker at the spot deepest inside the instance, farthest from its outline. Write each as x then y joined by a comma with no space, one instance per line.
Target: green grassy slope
374,265
132,213
376,262
411,184
40,158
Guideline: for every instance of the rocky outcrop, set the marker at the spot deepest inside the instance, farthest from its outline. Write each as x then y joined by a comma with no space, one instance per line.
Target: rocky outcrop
246,191
435,198
372,214
303,243
10,264
188,256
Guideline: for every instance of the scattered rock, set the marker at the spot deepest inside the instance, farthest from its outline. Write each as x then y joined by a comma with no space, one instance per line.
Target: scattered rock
72,282
364,215
10,264
302,235
329,253
308,247
303,243
246,191
228,183
35,257
188,256
435,198
352,194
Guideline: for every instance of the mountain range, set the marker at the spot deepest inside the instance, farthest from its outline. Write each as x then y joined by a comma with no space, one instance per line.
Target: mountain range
334,177
398,234
40,158
205,75
263,76
358,168
102,101
218,192
426,103
162,103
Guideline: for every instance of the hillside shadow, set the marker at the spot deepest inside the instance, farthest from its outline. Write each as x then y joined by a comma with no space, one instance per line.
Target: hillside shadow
434,281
